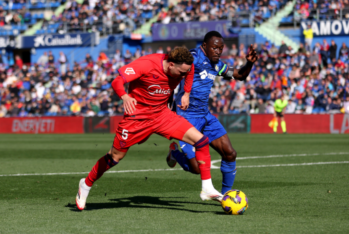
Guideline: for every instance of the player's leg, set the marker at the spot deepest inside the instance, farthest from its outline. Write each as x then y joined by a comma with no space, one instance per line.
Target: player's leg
221,143
228,165
283,124
276,124
185,159
175,126
103,164
203,157
129,132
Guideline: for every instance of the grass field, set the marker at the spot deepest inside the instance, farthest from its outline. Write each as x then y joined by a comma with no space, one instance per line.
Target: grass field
295,184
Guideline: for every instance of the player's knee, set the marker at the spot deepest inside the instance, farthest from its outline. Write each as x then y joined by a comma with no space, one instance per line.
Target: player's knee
117,156
230,156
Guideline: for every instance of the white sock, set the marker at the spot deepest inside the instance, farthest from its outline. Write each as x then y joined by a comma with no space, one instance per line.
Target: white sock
207,185
84,190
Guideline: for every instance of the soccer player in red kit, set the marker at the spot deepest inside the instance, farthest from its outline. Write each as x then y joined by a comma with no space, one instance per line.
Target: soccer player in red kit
152,80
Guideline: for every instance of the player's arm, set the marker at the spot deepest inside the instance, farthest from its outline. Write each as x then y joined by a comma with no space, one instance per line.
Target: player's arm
242,73
127,74
188,83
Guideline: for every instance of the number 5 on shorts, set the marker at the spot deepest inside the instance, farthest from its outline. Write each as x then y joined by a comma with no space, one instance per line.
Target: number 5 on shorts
124,134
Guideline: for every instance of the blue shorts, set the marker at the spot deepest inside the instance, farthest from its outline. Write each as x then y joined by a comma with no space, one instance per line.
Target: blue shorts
209,126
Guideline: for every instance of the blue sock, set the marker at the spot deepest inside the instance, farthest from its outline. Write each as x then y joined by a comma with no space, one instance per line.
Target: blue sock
181,159
228,170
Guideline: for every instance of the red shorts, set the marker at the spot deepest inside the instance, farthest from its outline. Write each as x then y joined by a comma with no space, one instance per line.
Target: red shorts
166,123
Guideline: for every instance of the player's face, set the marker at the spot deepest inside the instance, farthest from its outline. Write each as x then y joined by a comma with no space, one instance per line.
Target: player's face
178,71
214,49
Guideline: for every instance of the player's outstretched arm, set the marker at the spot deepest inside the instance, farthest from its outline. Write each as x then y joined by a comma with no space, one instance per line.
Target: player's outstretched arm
242,73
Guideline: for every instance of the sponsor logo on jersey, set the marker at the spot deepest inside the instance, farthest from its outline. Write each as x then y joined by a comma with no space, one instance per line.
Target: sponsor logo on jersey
217,68
156,89
204,74
129,71
205,62
156,77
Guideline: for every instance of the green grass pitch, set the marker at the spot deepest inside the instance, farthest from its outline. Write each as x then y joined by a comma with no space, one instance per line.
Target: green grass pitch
294,183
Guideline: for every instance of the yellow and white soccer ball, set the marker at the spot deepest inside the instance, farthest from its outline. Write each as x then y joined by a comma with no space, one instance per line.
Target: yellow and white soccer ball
234,202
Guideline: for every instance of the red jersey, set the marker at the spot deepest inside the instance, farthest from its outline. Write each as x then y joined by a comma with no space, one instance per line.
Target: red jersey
149,84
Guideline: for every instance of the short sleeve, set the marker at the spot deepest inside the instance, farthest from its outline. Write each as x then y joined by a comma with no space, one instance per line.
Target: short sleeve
135,69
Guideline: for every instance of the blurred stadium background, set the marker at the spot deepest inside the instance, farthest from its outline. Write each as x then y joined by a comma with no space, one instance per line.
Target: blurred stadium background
59,58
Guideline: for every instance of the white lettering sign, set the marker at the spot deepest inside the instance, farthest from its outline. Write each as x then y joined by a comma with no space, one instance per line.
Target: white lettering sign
33,125
51,40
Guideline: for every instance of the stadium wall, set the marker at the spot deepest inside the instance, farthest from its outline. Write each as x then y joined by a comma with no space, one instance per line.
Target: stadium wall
296,123
257,123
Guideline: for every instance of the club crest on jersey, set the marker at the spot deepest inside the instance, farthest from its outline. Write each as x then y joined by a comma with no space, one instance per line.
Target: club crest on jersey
122,144
156,89
217,68
129,71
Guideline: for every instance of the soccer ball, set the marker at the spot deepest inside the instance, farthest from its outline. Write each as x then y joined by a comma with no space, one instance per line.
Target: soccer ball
234,202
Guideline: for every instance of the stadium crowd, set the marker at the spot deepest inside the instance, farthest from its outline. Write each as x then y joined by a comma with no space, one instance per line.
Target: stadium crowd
115,16
321,9
315,81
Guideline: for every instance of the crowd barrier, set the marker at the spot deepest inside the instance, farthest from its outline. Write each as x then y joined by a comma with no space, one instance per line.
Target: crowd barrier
256,123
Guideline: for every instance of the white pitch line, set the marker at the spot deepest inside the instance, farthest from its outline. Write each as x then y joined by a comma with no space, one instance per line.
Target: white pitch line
178,169
278,156
290,155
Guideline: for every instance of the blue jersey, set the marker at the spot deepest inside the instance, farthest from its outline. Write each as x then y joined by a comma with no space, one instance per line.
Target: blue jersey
204,76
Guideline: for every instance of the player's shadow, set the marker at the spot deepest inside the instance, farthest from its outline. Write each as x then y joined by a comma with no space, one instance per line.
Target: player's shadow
147,202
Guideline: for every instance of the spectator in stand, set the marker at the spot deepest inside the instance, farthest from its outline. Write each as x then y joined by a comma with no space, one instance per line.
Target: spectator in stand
63,62
234,51
325,47
43,59
128,57
333,51
88,59
19,62
308,35
51,58
283,48
103,58
344,51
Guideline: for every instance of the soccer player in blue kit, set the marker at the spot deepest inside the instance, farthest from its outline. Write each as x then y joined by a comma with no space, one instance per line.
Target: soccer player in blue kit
207,66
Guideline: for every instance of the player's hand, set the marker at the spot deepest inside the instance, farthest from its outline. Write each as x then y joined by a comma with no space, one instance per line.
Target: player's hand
184,101
252,55
129,104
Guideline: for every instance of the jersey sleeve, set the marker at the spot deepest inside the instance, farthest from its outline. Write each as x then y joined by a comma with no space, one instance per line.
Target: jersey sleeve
135,69
223,68
188,83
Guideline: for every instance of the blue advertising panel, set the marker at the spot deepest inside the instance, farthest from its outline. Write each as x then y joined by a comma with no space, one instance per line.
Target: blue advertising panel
59,40
190,30
327,27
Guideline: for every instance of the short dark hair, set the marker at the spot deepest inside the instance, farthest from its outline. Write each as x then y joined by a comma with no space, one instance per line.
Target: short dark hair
211,34
180,55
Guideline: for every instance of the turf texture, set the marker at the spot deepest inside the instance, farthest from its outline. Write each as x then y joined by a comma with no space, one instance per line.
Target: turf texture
294,184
